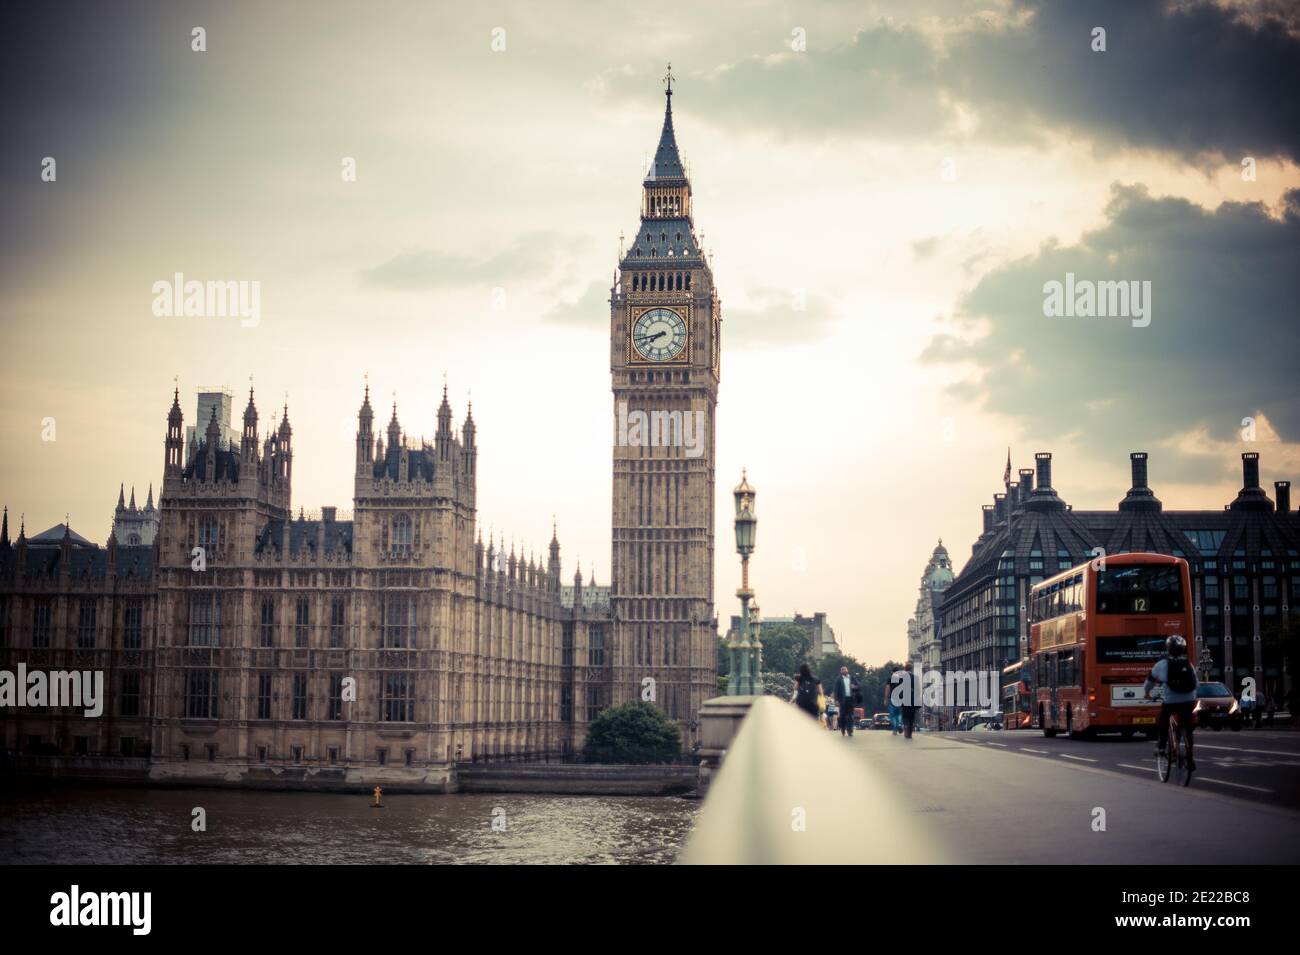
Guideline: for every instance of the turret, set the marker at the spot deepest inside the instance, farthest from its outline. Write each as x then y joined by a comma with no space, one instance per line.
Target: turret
286,448
365,433
248,441
442,442
212,443
468,452
175,440
553,565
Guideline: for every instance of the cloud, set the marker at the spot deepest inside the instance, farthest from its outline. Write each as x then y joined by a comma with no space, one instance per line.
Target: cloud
532,255
591,308
1193,79
773,315
1222,343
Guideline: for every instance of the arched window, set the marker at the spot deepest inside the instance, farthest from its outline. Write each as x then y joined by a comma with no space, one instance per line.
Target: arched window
133,540
401,534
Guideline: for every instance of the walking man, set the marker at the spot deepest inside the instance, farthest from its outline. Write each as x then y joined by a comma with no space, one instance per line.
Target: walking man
847,696
906,696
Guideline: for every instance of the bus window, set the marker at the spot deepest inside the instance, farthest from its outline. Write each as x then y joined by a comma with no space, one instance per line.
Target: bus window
1144,588
1067,672
1130,649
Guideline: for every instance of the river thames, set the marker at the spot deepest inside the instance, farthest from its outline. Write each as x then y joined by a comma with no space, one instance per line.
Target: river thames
99,826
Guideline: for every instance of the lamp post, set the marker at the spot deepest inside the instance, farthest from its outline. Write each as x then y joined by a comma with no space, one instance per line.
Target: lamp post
745,652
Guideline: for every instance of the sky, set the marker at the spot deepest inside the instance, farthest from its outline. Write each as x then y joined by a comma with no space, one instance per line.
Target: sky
885,188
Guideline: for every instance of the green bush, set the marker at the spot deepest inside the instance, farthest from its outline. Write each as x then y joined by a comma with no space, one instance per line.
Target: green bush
635,732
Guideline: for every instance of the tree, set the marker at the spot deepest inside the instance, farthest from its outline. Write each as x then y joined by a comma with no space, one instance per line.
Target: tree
873,685
785,647
635,732
777,684
829,668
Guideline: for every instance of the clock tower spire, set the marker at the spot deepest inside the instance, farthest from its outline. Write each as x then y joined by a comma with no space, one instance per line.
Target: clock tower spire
665,327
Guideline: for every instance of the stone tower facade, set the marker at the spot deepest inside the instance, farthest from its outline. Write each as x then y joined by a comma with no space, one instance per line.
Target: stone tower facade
665,328
135,526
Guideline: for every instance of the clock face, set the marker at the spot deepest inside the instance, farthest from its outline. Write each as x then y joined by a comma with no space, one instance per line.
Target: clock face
659,334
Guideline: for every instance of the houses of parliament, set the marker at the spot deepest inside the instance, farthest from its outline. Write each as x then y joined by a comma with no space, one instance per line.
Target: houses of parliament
241,642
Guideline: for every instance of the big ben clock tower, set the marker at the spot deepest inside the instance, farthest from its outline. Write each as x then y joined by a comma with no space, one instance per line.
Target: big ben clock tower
665,326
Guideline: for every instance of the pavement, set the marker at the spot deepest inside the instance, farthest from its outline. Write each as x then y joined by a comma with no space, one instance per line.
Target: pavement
1013,796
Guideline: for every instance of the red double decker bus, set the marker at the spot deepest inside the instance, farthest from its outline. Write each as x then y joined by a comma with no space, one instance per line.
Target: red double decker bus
1095,631
1017,696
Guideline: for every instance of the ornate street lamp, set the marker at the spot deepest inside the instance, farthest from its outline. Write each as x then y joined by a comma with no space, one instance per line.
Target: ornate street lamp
745,651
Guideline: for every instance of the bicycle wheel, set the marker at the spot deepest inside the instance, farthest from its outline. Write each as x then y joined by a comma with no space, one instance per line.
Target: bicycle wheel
1162,763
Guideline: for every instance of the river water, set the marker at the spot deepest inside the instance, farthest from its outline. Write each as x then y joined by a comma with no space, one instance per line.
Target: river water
97,826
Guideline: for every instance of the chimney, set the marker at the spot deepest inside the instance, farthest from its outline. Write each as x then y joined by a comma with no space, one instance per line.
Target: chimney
1251,497
1000,507
1250,469
1139,496
327,514
1138,463
1282,494
1026,483
1044,462
988,518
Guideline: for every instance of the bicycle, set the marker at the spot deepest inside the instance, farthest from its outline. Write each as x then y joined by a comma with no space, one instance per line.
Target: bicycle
1175,759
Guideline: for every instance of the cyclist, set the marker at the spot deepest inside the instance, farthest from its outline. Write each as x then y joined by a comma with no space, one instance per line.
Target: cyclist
1178,677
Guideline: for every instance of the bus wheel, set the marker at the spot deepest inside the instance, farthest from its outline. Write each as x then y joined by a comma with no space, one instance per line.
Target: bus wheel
1128,734
1042,721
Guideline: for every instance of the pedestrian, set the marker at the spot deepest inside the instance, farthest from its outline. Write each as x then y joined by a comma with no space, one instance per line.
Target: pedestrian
847,696
807,692
895,715
1246,704
908,694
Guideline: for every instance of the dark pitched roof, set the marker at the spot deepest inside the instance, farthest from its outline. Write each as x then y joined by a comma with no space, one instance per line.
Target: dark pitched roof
1078,532
54,535
85,563
663,242
419,464
227,464
667,167
302,536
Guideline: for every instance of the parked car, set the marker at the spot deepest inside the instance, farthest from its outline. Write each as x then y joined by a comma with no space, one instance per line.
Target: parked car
984,720
881,722
1216,707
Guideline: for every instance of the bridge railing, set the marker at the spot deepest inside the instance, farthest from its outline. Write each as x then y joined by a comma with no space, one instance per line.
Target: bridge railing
791,793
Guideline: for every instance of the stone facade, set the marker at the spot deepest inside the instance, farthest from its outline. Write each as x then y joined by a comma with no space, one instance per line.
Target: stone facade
135,526
922,630
1244,560
242,644
665,362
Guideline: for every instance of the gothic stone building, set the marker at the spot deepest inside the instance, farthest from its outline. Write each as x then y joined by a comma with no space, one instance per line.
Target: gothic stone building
1244,560
246,644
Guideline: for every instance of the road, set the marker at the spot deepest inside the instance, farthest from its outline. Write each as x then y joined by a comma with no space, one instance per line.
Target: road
1263,765
1015,797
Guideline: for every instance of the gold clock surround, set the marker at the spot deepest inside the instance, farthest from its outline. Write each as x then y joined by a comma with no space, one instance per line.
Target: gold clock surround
633,357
